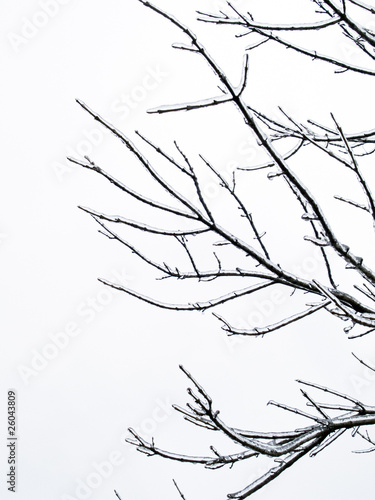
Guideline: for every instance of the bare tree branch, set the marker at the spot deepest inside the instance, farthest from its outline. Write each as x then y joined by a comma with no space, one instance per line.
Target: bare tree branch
197,306
248,23
178,489
291,446
284,140
363,363
362,5
143,227
258,331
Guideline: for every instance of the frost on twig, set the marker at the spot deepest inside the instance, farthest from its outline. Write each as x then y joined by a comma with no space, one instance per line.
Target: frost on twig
254,263
283,447
332,140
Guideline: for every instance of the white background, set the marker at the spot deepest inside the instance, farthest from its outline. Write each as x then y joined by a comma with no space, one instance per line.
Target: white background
121,367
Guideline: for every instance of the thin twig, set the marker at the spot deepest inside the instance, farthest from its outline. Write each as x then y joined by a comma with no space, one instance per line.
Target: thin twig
178,489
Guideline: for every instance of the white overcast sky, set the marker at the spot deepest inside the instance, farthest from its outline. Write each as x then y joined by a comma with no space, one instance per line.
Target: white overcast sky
117,361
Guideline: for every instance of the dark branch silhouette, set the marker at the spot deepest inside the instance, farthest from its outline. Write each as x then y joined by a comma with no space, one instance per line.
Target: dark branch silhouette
254,262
